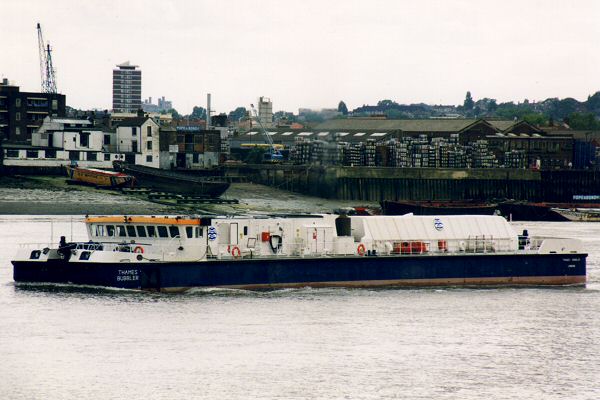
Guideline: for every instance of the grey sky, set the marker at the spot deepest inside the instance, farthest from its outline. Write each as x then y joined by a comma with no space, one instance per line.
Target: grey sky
308,53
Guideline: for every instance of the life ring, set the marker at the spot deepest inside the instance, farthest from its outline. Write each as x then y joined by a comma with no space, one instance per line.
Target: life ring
361,250
138,249
236,252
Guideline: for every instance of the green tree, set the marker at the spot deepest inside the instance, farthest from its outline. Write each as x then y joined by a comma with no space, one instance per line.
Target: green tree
468,103
238,113
535,119
198,112
593,103
343,108
174,113
386,104
583,121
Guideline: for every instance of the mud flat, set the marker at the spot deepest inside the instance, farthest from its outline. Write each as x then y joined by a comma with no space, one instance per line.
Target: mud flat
52,196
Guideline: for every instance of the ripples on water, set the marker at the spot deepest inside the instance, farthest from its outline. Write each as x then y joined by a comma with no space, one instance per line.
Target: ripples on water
455,343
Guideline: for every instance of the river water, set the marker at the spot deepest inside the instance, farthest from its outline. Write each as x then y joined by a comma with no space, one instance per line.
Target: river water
498,343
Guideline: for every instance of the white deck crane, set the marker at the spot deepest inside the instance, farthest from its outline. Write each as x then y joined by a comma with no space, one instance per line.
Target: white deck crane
272,155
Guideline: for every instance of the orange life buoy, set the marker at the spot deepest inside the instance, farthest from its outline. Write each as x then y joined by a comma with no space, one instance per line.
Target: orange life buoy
236,252
361,250
138,249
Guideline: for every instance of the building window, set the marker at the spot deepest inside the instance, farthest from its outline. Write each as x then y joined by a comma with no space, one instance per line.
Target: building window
92,156
18,131
107,140
74,155
55,104
32,154
149,131
195,158
148,158
11,153
50,153
133,131
149,145
18,116
84,139
17,102
107,157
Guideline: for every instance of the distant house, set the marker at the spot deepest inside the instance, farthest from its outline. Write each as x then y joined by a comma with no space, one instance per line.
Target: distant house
138,138
61,141
198,148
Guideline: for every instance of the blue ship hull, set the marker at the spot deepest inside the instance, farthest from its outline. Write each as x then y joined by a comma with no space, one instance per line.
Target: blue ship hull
451,270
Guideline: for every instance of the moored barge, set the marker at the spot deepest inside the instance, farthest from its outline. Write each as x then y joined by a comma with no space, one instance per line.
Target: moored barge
176,181
177,253
98,177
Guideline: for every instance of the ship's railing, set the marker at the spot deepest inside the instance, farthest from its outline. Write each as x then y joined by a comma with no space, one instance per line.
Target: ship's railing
469,245
92,246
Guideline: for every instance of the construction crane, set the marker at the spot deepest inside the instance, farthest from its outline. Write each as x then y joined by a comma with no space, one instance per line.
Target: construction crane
273,154
46,67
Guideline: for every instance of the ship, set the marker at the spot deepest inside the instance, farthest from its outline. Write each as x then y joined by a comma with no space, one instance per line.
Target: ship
176,253
176,181
98,177
437,207
579,214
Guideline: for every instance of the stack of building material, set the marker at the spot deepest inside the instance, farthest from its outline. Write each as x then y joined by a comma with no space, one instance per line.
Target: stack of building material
300,152
316,152
403,153
420,152
369,153
352,154
481,156
515,159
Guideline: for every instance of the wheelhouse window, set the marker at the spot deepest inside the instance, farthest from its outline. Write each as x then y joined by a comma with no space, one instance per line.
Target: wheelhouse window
121,231
189,232
151,231
99,231
162,232
141,231
199,231
110,230
174,231
131,231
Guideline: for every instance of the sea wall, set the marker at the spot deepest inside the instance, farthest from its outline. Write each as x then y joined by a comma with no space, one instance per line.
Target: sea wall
380,183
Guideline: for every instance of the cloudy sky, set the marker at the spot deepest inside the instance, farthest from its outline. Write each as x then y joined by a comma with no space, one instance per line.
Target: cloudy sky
309,53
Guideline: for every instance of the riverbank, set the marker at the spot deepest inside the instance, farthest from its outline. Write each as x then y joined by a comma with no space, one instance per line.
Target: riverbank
51,195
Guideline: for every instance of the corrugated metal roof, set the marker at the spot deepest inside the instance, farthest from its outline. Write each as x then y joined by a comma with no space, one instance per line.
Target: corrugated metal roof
407,125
